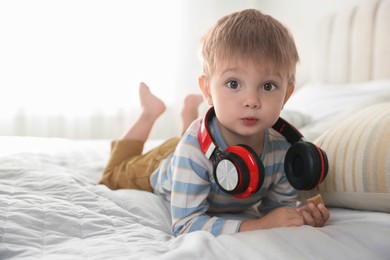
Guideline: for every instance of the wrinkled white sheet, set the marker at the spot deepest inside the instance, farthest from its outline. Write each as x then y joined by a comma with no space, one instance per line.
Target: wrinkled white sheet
51,208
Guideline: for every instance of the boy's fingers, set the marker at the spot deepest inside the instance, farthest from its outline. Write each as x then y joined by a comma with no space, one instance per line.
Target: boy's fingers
308,218
324,212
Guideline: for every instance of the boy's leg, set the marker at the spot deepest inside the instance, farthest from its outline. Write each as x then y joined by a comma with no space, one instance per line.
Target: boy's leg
144,165
189,111
152,108
133,172
130,146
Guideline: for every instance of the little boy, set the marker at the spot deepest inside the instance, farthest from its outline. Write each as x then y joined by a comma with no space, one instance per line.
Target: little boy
249,62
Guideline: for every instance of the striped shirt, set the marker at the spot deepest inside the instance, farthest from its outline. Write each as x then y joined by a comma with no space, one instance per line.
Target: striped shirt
185,178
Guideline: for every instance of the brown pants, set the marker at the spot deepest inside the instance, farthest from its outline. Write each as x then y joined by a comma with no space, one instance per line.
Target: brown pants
128,168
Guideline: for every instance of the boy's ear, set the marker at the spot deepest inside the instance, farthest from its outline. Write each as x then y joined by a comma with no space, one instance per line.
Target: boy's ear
205,88
289,92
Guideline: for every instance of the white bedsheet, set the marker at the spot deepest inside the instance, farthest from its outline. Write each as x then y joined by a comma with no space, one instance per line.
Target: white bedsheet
51,208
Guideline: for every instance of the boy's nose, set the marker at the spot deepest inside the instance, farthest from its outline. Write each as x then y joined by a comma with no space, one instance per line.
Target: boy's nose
252,100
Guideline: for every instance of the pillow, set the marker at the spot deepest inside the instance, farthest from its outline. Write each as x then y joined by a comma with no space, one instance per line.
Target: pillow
322,100
358,151
297,119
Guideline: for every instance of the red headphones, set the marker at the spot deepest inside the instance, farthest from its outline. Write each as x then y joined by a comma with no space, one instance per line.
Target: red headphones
239,171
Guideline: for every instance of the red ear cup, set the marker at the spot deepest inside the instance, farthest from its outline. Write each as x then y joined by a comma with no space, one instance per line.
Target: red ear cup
306,165
239,171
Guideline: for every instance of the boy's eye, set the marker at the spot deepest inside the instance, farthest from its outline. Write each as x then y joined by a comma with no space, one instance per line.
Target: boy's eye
233,84
269,86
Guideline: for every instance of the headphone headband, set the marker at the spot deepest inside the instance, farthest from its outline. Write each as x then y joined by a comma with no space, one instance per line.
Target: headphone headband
291,134
206,141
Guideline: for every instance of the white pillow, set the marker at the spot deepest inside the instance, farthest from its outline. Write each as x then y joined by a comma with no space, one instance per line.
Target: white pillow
295,118
319,101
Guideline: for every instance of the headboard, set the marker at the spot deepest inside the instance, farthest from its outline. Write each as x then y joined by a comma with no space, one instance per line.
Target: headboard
354,45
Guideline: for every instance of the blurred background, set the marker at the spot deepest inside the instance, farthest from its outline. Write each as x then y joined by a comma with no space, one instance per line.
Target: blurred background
71,68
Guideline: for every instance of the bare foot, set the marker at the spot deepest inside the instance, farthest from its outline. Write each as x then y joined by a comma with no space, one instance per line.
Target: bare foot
152,108
151,105
189,111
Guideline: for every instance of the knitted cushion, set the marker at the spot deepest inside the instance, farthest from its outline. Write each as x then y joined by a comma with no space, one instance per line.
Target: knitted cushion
358,151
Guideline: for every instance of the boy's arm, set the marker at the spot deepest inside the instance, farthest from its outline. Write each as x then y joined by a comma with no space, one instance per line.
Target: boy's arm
190,189
281,194
280,217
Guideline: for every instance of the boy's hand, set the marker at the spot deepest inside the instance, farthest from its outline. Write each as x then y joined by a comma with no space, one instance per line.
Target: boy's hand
280,217
314,215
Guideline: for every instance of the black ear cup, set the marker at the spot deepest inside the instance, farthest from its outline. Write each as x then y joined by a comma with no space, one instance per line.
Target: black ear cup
306,165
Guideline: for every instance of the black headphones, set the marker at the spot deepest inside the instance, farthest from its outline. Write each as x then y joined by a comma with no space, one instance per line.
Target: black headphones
238,170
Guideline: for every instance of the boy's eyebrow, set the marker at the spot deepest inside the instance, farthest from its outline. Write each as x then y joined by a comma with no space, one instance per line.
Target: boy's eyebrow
233,69
229,70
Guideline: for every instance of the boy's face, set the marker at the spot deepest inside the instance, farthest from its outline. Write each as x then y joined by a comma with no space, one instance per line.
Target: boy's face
247,96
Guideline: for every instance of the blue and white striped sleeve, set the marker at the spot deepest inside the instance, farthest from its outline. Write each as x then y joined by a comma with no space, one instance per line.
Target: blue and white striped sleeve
281,193
190,189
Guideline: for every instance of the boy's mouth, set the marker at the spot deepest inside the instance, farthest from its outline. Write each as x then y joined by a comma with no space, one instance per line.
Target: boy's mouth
249,120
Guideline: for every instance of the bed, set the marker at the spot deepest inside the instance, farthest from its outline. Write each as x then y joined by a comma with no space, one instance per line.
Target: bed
51,206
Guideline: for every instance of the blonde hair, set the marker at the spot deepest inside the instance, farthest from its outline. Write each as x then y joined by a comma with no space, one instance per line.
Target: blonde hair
249,34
